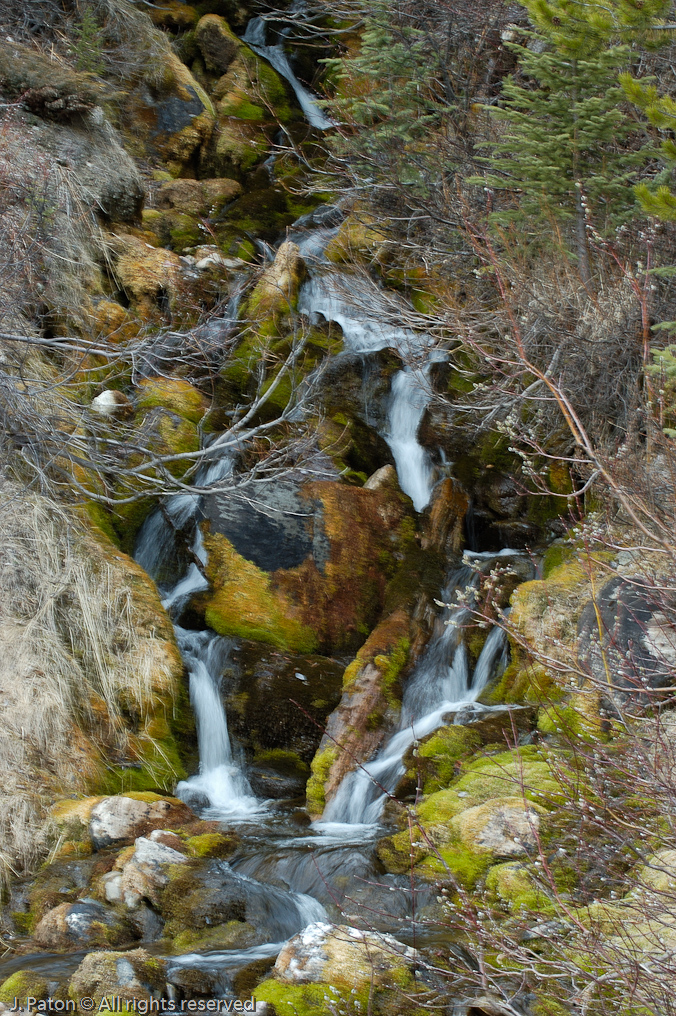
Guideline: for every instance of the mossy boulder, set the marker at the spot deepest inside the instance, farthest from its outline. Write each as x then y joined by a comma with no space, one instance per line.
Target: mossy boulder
504,827
231,935
149,276
514,884
436,760
135,974
234,147
277,291
331,600
251,90
173,393
359,237
348,959
23,984
217,42
82,925
246,604
197,197
369,705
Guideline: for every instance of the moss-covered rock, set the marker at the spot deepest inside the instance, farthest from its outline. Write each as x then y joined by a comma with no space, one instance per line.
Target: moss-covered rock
23,984
217,42
82,925
514,884
212,845
504,827
232,935
245,604
437,758
134,974
251,90
149,276
371,696
277,291
173,393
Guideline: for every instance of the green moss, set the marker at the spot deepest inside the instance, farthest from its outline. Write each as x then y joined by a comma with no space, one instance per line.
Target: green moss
101,519
320,771
244,604
557,554
175,394
506,774
513,884
279,758
439,755
233,935
297,999
441,807
212,845
159,767
459,861
390,667
23,984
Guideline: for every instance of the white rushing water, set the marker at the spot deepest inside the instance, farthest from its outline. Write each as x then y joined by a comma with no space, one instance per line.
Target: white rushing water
221,782
255,38
440,684
359,307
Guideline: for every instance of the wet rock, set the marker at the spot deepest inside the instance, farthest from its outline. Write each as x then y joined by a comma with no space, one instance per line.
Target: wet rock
368,707
135,974
505,827
277,706
634,650
327,602
119,820
341,955
81,925
143,876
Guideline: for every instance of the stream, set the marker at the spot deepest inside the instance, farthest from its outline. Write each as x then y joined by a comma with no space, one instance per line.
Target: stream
325,870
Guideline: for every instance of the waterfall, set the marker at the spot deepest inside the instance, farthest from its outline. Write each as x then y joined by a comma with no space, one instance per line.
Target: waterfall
440,684
255,38
358,306
221,782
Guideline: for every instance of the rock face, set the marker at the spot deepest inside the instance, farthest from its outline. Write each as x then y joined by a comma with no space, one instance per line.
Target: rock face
352,540
82,925
635,650
118,820
341,955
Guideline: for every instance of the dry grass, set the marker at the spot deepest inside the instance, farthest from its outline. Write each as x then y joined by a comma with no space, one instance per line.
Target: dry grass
84,650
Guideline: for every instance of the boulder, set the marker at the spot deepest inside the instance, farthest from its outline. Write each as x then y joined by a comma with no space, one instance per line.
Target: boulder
505,827
343,956
277,291
134,974
119,820
197,197
143,876
217,42
23,984
82,925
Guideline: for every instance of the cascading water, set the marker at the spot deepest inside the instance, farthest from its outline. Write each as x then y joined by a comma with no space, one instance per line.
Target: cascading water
220,783
358,306
439,685
255,38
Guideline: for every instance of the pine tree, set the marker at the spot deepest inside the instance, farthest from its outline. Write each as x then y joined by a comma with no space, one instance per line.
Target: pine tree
561,146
